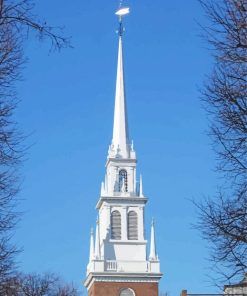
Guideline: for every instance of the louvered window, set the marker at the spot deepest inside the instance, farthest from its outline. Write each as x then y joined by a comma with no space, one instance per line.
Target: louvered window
123,181
127,292
115,225
132,226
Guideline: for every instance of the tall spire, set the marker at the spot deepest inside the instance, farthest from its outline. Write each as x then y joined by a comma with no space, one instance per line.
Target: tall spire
120,139
152,255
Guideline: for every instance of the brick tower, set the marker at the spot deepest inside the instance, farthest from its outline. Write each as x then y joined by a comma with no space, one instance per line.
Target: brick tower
118,263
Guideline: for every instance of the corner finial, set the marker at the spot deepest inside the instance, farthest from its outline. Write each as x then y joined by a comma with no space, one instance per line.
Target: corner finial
97,241
102,190
141,187
91,254
122,11
132,145
153,255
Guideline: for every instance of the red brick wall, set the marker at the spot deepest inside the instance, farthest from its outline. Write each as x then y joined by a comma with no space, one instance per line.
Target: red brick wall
113,289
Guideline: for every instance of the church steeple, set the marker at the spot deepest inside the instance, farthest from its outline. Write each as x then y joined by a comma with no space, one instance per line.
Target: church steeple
119,265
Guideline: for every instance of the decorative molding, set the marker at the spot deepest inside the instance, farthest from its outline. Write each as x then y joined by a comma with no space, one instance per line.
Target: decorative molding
129,242
121,160
127,199
122,278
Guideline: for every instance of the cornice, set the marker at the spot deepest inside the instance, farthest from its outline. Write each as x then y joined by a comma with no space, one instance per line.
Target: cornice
121,160
123,199
128,242
122,278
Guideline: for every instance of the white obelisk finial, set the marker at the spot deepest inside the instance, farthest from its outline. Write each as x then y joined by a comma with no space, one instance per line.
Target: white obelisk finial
91,254
97,242
152,255
141,187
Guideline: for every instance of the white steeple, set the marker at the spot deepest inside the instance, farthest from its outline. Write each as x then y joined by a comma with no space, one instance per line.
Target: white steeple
120,139
120,240
91,254
152,255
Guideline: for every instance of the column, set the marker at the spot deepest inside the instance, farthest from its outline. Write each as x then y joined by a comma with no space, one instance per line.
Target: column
124,224
141,224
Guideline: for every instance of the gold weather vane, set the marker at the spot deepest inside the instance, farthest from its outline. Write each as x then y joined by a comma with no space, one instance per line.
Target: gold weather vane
122,11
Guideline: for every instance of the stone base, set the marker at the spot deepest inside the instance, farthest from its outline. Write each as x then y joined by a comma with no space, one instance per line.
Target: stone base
114,288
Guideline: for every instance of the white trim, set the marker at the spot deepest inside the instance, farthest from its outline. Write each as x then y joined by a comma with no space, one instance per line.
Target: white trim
128,242
122,278
120,200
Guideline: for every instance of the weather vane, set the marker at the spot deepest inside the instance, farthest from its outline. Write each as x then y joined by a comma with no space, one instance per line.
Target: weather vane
122,11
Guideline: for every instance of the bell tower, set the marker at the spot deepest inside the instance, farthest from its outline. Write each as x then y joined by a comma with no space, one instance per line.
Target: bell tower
118,262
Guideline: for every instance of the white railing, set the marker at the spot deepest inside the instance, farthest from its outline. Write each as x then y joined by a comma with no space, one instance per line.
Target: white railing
127,266
111,265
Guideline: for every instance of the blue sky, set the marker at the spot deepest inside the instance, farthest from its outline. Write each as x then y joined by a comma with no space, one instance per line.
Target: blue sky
67,111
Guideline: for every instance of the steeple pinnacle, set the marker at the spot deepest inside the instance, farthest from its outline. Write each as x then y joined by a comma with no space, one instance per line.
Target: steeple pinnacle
91,254
97,242
120,141
153,255
140,187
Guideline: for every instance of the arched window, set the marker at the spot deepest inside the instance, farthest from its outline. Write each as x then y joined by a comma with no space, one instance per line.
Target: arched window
132,225
123,181
127,292
115,225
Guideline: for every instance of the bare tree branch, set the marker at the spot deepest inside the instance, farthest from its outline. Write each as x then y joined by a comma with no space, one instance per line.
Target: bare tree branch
16,22
223,219
38,285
